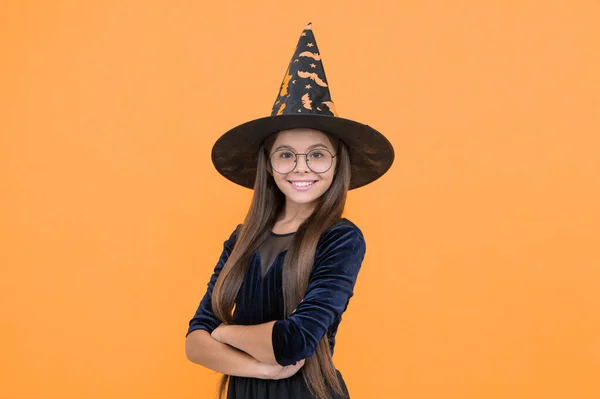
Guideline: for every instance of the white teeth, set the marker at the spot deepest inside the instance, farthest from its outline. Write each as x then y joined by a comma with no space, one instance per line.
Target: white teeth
302,183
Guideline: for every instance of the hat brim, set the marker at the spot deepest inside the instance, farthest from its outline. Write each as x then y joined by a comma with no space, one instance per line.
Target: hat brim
234,155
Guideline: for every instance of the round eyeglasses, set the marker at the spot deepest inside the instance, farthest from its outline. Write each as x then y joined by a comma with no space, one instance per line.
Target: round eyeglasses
318,160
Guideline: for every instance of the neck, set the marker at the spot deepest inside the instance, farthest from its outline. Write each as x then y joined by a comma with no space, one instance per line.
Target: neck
295,213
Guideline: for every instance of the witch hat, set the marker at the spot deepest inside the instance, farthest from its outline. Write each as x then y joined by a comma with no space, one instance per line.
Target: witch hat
303,101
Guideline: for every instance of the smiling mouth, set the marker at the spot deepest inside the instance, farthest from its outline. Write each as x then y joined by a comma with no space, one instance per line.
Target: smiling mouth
302,185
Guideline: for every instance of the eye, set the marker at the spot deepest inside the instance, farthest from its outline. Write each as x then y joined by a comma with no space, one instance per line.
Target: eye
317,154
285,155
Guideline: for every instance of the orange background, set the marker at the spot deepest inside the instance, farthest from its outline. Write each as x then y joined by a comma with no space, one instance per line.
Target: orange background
483,263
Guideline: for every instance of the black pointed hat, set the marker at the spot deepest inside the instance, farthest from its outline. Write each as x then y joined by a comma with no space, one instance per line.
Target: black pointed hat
303,101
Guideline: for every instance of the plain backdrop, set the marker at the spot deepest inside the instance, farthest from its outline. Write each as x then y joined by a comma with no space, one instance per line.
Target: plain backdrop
483,262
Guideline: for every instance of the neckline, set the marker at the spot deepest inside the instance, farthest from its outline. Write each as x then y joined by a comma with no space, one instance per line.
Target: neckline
282,235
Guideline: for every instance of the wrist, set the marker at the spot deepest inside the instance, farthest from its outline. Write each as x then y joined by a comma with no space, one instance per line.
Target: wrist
263,371
268,371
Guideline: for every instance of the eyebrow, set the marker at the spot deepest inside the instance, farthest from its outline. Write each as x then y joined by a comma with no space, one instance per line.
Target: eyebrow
289,147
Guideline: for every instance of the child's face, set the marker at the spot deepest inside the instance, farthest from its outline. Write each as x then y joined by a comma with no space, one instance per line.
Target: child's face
302,185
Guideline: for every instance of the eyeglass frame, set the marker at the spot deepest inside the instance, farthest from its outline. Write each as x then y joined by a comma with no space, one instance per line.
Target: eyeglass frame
305,159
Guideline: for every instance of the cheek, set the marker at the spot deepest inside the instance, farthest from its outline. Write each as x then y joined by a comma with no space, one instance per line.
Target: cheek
280,180
328,178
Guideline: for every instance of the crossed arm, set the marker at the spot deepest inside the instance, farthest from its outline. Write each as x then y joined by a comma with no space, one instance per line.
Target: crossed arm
254,340
252,350
203,349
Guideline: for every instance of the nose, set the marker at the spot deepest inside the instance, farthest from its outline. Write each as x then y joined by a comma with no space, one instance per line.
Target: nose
301,164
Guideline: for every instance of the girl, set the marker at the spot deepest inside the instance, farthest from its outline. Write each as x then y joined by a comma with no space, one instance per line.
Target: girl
275,300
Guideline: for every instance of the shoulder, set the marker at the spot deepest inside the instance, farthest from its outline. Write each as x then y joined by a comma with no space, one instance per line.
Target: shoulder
343,227
342,234
343,222
230,242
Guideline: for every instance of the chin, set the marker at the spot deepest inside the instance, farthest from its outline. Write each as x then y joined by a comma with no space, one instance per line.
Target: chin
302,198
302,201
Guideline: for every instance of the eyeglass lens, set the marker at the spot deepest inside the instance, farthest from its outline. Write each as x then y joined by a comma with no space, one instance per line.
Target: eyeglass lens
318,160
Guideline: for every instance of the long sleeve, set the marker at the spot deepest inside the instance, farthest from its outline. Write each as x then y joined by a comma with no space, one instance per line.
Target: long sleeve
205,319
331,285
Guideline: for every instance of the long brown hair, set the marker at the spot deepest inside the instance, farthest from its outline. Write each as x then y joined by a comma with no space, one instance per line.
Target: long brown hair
267,203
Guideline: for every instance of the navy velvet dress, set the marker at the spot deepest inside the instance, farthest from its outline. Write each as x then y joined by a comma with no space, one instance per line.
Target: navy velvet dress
338,259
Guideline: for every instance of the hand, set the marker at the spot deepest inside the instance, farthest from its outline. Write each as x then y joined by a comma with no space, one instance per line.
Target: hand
216,334
277,372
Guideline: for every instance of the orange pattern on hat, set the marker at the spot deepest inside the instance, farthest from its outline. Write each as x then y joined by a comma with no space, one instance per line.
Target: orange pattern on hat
331,107
306,102
281,108
315,56
286,82
313,76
